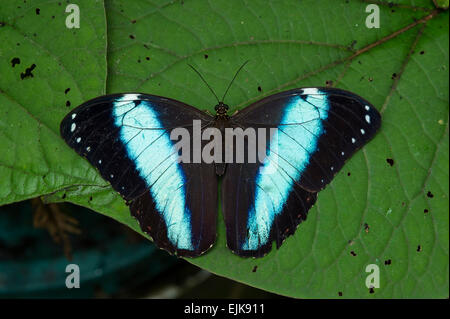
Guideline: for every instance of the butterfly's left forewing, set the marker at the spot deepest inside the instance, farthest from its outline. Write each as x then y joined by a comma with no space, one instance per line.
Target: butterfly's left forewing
315,131
127,138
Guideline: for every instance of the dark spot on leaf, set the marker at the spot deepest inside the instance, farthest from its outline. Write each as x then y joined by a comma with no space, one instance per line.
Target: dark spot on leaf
133,21
90,198
353,253
387,262
425,211
392,10
348,174
419,248
17,43
422,52
371,290
67,103
390,161
147,58
38,11
370,79
64,196
53,17
340,293
131,36
329,83
27,72
403,203
139,60
352,45
66,90
15,61
259,89
206,56
394,75
254,268
366,227
2,23
430,195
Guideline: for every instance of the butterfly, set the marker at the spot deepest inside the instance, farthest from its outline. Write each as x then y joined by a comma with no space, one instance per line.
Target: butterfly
306,135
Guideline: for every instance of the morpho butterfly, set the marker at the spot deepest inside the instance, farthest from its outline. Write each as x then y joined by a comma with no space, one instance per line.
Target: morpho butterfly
307,135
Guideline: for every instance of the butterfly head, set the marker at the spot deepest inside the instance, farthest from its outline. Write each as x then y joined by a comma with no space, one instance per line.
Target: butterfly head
221,109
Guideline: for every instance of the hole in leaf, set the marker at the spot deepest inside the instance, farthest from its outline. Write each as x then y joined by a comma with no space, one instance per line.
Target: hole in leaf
27,72
15,61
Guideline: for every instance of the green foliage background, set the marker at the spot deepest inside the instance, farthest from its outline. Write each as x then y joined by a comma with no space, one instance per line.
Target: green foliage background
395,216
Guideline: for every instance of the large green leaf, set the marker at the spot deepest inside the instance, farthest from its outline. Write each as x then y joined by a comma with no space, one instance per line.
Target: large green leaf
389,204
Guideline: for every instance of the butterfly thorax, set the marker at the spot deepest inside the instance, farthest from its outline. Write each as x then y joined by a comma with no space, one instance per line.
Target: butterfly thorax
221,111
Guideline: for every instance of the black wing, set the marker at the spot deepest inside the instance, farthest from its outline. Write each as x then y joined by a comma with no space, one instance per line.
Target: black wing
315,131
127,138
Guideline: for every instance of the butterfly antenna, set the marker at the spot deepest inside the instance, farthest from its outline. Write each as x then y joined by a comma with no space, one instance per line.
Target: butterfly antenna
201,77
233,79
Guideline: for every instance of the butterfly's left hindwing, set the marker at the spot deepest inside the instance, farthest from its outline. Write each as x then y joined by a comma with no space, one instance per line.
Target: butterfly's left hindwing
316,131
127,138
